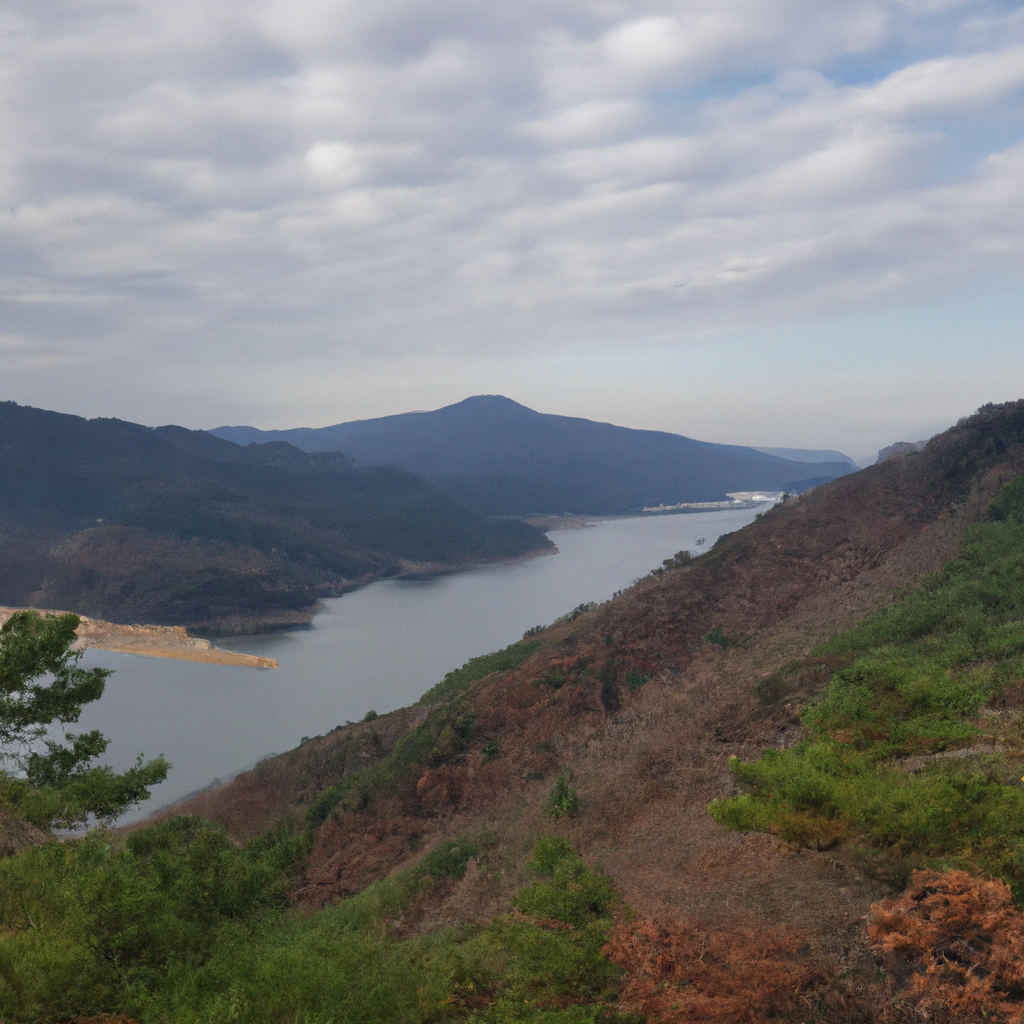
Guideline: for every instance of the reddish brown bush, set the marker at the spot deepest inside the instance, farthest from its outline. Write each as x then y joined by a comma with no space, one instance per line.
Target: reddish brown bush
680,973
958,942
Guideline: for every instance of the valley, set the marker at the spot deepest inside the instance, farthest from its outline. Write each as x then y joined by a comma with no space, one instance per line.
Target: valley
590,824
125,523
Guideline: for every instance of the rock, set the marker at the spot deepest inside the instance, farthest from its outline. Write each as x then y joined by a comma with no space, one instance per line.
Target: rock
900,448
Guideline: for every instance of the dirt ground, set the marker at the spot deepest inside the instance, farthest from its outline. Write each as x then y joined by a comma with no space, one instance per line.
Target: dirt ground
153,642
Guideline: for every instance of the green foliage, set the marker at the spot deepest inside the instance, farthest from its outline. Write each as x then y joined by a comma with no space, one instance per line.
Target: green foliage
569,890
459,680
41,684
87,924
443,737
391,897
180,925
562,801
972,609
554,678
911,683
718,637
678,561
1008,504
636,680
580,609
490,752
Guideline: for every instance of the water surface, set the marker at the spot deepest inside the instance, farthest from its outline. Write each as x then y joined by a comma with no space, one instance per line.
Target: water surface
380,647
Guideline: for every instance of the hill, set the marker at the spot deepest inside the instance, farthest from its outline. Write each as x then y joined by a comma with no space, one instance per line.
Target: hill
810,455
641,704
839,684
502,458
128,523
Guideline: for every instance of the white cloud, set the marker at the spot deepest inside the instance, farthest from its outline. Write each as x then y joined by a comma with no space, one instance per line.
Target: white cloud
593,121
946,84
219,180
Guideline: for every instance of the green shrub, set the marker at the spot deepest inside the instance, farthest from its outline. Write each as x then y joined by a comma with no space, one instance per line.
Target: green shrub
562,801
459,680
1008,504
180,925
444,736
717,636
636,680
569,891
918,675
87,924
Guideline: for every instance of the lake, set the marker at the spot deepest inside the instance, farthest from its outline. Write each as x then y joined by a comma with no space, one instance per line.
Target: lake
379,647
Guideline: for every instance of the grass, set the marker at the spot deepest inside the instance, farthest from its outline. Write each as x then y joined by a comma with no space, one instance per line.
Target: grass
180,925
918,680
459,680
443,737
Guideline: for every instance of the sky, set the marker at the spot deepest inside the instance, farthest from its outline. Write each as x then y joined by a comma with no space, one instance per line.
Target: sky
768,222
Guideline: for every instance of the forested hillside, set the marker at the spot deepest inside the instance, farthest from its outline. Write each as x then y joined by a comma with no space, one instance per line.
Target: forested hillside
123,522
501,458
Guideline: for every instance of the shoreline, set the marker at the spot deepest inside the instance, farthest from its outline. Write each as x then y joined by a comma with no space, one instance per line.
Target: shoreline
550,524
150,641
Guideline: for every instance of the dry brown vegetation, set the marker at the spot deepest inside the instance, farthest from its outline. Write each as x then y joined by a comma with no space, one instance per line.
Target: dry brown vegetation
956,943
16,835
680,973
281,786
647,758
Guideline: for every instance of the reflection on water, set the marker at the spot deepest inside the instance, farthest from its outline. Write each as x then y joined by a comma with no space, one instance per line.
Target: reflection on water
379,647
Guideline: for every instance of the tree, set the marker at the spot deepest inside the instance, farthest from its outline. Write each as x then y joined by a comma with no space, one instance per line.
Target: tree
53,781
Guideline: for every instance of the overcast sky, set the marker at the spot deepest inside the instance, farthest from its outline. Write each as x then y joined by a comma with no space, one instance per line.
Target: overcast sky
774,222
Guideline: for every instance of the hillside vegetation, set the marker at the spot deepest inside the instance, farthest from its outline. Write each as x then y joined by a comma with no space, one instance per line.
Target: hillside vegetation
125,523
501,458
913,752
840,683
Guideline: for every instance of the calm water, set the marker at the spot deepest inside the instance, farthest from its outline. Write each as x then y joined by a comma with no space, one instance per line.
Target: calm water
379,647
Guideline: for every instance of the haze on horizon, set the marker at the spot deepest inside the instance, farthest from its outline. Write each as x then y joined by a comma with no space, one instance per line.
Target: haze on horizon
772,223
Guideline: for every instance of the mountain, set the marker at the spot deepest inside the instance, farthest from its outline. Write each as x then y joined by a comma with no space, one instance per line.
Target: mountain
809,455
501,458
776,782
845,740
128,523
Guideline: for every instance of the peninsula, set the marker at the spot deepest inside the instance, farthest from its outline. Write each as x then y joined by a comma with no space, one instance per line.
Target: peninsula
153,642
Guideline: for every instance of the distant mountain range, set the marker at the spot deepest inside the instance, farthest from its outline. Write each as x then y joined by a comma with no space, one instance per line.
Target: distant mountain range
808,455
501,458
128,523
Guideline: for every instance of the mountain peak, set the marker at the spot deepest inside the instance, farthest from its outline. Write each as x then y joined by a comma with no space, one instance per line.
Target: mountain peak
490,403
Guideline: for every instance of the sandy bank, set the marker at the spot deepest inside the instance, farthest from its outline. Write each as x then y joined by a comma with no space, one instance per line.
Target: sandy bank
154,642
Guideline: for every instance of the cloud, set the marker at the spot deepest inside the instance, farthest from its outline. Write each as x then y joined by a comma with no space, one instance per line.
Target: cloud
226,183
